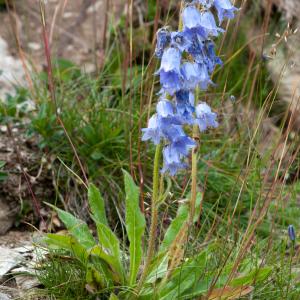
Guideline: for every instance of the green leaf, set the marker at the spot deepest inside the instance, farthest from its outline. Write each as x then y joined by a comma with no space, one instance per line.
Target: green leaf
69,243
135,226
97,204
185,278
182,216
108,278
77,228
3,175
253,276
113,297
158,268
94,279
111,243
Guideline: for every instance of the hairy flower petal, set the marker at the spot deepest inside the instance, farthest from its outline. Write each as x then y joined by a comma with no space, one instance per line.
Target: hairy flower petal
225,9
205,117
163,37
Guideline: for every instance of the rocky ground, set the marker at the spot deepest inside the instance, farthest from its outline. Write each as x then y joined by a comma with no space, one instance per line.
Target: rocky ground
76,30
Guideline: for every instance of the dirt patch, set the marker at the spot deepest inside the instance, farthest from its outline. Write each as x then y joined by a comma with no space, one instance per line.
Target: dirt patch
28,181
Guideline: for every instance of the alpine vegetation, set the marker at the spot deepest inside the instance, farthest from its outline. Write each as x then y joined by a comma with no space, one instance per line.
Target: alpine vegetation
151,260
188,60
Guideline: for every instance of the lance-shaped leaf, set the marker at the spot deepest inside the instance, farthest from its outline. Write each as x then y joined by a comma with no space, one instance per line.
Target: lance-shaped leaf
135,226
177,223
77,228
97,205
111,243
69,243
184,278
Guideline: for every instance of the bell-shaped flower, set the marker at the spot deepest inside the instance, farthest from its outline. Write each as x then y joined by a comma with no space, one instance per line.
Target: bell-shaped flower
185,106
180,41
225,9
209,24
163,37
170,76
173,132
172,161
188,59
165,108
153,131
211,59
195,75
197,46
203,23
183,145
205,3
192,74
205,117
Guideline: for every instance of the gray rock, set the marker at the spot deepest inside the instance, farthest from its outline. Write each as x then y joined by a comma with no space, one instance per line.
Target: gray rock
4,297
7,218
9,259
25,278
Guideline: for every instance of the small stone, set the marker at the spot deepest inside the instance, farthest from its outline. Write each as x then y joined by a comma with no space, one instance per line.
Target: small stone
24,249
4,297
34,46
9,259
25,278
68,15
7,218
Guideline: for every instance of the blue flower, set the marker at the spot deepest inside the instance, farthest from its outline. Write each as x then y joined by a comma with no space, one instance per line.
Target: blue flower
224,9
205,117
205,3
197,46
209,24
185,106
173,132
191,18
202,23
212,59
170,76
195,74
292,233
165,108
163,37
183,145
191,73
152,132
172,161
188,59
180,40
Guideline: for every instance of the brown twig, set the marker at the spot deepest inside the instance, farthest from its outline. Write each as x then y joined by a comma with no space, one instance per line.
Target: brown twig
52,87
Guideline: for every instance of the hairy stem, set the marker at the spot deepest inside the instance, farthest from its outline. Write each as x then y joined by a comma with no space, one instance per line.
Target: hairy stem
154,215
194,177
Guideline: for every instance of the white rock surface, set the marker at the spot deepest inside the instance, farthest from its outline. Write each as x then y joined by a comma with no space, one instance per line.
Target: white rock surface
25,278
9,259
11,71
4,297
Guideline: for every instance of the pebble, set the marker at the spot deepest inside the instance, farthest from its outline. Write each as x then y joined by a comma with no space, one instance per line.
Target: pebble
9,259
4,297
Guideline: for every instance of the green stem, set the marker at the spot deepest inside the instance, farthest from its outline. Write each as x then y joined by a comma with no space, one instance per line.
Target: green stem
154,216
194,178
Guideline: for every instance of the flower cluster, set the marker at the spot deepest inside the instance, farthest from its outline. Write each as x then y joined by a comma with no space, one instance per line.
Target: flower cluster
187,61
